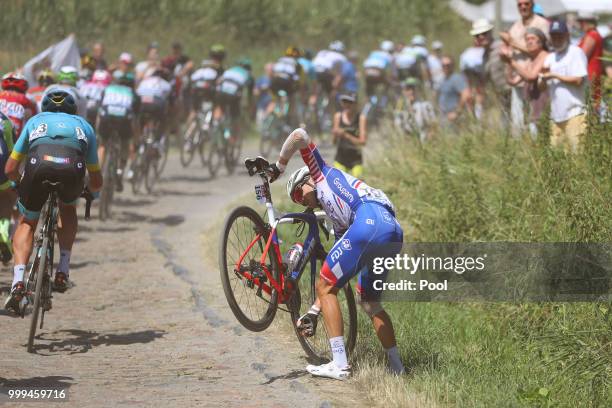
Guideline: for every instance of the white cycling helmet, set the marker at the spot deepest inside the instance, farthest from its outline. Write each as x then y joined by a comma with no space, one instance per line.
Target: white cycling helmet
297,179
387,46
418,40
337,46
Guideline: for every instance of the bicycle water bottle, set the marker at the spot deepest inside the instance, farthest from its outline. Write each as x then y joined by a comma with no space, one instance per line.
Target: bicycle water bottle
291,259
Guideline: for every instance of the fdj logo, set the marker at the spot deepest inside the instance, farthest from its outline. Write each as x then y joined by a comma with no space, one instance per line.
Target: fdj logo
346,244
336,253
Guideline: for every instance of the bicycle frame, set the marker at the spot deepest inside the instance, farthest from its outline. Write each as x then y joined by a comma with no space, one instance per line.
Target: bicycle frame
311,244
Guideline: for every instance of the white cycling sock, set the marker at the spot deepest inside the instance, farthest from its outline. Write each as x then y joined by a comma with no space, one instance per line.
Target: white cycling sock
64,262
18,272
338,351
395,362
314,309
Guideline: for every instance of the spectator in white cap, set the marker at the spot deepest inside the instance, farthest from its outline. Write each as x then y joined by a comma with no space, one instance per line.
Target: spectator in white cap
515,39
123,64
493,65
565,75
434,62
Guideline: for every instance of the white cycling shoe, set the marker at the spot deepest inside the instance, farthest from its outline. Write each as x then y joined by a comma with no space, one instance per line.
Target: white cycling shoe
330,370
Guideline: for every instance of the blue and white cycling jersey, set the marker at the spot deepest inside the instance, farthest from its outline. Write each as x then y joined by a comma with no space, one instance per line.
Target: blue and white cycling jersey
233,80
339,193
308,68
378,59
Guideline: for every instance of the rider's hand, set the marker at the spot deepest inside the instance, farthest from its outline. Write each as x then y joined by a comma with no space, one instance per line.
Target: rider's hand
274,172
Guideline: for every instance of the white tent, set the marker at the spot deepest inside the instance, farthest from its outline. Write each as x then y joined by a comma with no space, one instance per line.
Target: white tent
509,11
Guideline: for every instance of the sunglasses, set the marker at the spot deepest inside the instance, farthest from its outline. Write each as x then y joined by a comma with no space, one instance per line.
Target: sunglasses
298,194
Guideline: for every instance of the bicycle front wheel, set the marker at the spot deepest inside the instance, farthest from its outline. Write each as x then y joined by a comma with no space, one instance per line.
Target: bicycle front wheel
188,148
249,293
40,276
317,347
109,173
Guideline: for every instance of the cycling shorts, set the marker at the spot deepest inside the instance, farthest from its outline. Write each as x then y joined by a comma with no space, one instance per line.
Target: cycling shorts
55,163
278,84
374,233
109,124
413,71
326,80
230,104
199,95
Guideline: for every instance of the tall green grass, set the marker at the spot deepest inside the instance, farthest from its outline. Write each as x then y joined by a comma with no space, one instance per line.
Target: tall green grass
482,186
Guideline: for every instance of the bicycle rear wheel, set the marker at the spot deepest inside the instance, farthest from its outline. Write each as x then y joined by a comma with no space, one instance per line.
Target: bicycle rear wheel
253,307
163,145
317,347
109,172
216,153
188,147
40,276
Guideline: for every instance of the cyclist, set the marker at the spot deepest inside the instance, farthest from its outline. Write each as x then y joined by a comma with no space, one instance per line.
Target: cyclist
377,69
155,93
365,226
67,79
118,108
328,66
203,83
217,53
287,77
7,194
229,93
350,133
471,64
412,60
310,78
45,78
92,92
57,146
14,103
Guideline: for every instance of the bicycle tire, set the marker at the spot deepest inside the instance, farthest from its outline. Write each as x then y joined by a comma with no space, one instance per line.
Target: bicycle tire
42,265
204,139
188,148
317,347
215,154
270,305
106,196
150,173
137,168
160,164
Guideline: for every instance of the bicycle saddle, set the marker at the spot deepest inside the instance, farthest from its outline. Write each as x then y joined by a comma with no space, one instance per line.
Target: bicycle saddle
257,165
52,185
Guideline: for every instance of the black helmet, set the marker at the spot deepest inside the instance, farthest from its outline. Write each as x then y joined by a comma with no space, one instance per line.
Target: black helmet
59,101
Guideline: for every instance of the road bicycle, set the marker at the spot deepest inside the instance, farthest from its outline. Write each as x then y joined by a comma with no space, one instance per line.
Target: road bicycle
146,167
197,135
225,147
275,126
38,288
109,174
257,282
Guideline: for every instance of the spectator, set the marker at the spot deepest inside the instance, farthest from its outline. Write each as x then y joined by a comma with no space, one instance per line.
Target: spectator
177,62
145,68
538,99
98,55
592,45
494,67
471,64
454,95
413,114
565,74
435,64
515,38
350,133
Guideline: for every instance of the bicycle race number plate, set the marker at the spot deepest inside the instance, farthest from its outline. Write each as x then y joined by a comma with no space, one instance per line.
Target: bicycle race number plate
260,193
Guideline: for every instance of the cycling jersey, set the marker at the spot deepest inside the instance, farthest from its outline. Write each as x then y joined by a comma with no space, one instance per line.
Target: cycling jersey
92,92
234,80
287,68
202,77
308,68
152,88
17,107
472,59
6,146
58,128
326,61
406,59
118,101
339,193
378,60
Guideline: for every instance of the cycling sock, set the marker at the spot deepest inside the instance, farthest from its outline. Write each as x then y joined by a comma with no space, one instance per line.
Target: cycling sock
395,362
338,351
18,272
64,262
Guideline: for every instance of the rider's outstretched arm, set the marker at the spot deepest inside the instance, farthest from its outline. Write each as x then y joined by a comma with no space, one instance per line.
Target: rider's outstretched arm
299,140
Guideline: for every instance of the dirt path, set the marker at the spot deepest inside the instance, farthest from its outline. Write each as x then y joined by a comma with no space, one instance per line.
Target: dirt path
147,323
